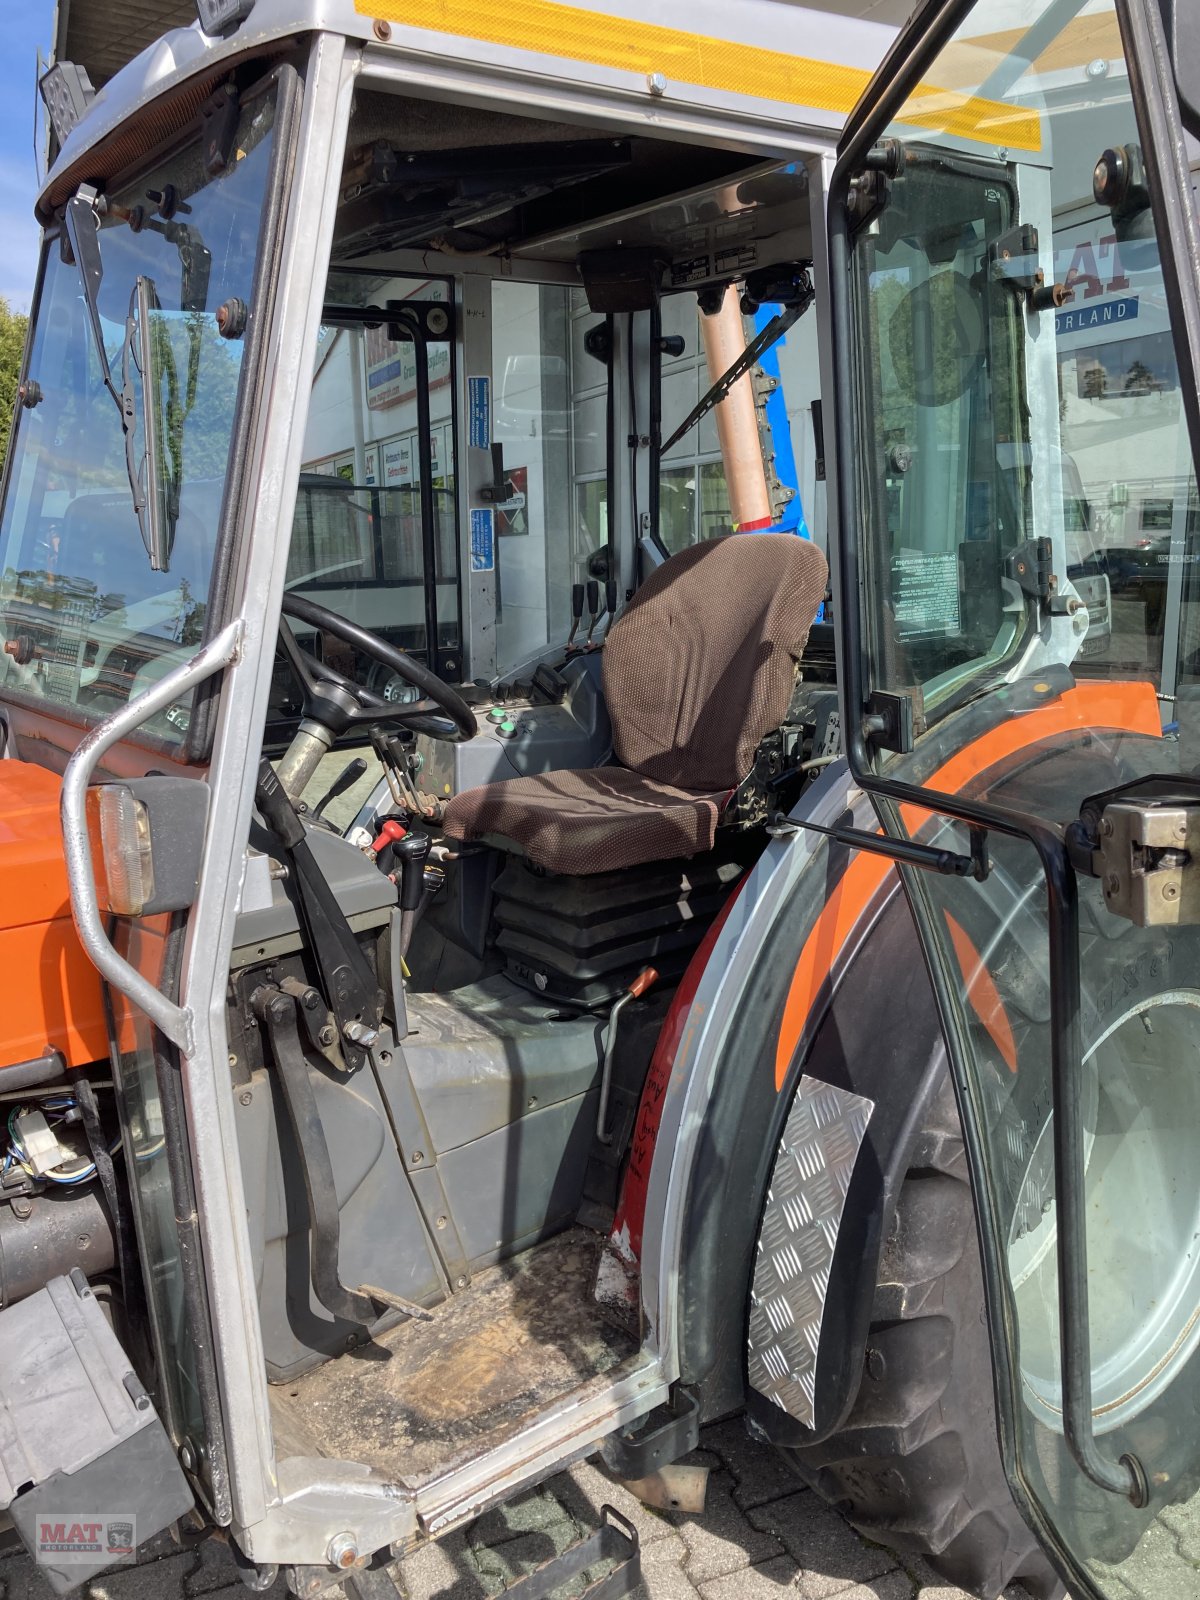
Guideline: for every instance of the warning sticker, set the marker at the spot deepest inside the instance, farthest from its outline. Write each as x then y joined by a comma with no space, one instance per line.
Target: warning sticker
483,540
925,590
479,413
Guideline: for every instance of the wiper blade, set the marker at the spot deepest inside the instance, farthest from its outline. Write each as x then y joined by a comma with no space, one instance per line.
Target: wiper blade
83,212
790,314
144,469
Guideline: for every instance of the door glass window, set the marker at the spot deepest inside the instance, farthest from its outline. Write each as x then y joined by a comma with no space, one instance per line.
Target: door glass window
545,436
1023,385
360,545
1028,543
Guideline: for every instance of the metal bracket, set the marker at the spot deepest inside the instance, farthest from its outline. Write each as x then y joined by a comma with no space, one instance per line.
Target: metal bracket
1013,261
616,1539
1146,854
666,1434
893,720
1029,567
351,988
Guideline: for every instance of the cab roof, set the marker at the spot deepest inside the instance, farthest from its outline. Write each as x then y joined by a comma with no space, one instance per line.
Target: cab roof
761,71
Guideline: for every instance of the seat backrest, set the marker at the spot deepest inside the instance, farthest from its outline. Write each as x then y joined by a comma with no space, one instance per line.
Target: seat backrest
702,662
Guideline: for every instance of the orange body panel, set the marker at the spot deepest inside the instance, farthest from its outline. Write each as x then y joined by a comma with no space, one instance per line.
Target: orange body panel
1132,707
51,991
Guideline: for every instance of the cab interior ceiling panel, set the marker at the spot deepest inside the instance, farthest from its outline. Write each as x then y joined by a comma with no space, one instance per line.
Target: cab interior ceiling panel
419,173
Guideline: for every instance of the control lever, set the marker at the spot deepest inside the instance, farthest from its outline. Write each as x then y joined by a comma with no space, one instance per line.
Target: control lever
381,847
411,852
393,757
346,779
576,613
610,604
645,979
593,605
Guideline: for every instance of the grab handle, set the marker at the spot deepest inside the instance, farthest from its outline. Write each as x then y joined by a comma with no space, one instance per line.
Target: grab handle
172,1020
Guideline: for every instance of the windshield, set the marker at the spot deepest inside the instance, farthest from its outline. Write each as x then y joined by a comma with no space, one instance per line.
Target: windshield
85,620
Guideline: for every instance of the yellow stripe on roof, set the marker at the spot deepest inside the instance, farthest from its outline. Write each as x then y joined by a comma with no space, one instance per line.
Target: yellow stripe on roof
599,39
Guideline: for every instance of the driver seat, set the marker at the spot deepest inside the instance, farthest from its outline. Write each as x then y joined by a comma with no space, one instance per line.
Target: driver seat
698,669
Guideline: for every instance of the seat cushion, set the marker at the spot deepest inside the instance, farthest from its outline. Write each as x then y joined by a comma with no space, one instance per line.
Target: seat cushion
592,821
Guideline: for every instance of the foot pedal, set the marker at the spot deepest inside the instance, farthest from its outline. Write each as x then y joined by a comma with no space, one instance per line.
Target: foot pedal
615,1539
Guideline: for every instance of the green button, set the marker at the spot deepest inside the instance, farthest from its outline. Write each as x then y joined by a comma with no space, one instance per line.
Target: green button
497,714
507,729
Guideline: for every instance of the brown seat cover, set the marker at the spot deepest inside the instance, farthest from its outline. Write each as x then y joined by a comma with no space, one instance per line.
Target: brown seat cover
698,668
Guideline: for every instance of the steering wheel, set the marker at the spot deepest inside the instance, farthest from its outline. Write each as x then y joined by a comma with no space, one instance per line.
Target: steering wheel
336,702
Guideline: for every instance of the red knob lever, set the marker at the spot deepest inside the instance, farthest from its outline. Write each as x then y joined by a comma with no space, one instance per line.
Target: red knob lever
390,833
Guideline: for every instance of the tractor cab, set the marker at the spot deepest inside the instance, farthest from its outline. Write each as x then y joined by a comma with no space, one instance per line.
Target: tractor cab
549,560
497,985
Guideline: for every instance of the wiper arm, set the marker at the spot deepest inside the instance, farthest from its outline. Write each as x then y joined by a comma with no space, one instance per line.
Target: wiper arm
792,311
82,218
83,230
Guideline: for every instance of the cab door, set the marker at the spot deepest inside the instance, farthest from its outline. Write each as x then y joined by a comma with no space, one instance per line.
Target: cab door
1014,295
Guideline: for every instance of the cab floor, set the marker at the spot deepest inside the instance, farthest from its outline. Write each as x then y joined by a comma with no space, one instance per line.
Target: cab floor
427,1396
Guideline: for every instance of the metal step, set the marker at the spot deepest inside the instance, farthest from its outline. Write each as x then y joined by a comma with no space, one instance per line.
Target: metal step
614,1540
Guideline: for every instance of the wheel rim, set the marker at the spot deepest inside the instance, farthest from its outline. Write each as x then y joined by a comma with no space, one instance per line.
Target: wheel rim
1141,1092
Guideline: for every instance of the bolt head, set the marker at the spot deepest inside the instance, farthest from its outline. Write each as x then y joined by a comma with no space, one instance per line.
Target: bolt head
382,30
343,1550
656,83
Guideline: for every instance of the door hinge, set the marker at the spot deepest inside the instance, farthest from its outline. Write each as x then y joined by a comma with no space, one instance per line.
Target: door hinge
1013,260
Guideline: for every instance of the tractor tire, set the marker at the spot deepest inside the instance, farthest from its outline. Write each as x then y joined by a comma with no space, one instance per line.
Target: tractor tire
917,1466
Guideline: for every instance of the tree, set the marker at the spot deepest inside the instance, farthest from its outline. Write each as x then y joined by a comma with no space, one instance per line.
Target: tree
12,342
1140,380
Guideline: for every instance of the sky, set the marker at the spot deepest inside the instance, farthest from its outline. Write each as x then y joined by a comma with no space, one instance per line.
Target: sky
28,27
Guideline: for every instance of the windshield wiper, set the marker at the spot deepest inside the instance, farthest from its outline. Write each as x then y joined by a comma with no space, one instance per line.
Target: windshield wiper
799,296
82,218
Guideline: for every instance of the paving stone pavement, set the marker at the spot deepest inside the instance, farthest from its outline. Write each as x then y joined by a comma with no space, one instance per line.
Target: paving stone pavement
760,1538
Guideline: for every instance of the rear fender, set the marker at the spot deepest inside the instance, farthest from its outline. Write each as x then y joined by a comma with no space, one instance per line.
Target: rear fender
817,971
